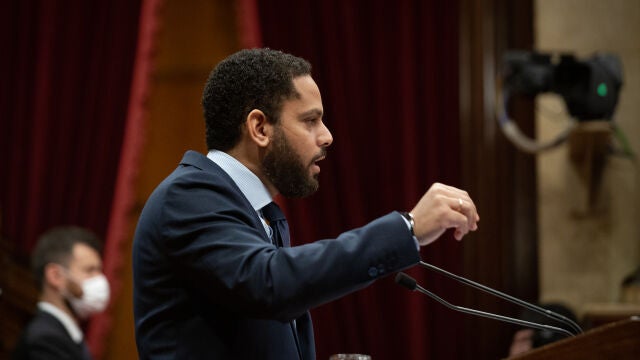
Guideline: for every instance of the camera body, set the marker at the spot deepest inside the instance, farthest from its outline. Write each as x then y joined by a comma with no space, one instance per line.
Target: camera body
589,87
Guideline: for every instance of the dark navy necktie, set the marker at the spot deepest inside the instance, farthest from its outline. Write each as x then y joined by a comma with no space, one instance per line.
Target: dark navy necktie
280,238
278,224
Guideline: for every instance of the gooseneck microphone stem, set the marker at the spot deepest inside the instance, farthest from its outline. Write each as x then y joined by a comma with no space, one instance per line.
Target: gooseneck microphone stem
408,282
532,307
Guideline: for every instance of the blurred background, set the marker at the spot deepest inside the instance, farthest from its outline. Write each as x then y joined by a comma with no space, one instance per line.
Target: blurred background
100,99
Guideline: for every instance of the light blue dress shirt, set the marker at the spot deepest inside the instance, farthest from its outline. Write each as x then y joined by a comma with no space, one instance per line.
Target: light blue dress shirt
250,185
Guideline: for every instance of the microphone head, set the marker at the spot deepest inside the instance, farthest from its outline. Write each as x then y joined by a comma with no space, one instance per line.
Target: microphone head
406,281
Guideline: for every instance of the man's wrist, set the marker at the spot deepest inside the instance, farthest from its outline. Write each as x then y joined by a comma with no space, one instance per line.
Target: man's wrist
409,218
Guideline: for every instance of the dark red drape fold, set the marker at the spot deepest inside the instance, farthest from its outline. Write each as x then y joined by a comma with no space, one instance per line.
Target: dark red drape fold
388,73
119,229
248,23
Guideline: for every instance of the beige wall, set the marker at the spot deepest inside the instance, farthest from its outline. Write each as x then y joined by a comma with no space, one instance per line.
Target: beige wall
586,248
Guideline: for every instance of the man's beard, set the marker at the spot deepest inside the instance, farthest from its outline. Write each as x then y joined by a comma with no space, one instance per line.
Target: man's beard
286,170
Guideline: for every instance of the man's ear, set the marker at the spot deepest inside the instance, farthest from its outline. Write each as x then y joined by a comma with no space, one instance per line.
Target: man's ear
259,129
53,276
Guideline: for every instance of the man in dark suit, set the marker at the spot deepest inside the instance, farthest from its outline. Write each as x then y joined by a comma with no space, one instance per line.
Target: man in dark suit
214,275
68,269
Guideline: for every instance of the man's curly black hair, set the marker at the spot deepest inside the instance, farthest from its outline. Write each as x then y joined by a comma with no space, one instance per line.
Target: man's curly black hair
247,80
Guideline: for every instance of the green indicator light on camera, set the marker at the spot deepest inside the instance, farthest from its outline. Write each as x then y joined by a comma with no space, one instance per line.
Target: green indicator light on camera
602,89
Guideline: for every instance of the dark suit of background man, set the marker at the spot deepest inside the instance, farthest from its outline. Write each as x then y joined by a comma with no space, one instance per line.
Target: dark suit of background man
68,269
214,277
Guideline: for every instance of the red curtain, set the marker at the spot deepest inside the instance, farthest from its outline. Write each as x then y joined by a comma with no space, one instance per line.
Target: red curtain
67,79
67,71
388,73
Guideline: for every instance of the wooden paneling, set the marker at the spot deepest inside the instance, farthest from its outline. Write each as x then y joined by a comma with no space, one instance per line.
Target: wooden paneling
503,253
620,341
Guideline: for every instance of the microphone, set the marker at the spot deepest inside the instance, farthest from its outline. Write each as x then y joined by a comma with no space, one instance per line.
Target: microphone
548,313
411,284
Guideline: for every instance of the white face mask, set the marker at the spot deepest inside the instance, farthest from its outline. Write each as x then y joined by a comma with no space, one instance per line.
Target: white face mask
95,297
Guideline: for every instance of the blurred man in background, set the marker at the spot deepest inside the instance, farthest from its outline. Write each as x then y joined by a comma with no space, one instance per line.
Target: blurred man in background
67,267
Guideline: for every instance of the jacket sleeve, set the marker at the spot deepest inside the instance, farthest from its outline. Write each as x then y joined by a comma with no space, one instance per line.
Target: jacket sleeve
216,245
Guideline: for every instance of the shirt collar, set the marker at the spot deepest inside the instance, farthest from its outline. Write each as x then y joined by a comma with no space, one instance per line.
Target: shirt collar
72,327
250,185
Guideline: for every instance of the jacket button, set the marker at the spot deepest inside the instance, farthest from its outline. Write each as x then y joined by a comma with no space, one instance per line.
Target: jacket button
373,272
